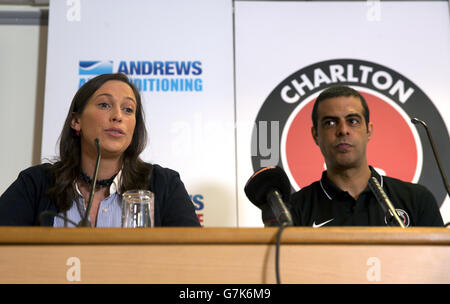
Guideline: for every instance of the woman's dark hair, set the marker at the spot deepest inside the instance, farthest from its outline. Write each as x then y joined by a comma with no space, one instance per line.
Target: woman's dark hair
339,91
135,172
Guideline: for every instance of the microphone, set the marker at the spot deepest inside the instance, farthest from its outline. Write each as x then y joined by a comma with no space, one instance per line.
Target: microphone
382,198
270,186
433,147
85,222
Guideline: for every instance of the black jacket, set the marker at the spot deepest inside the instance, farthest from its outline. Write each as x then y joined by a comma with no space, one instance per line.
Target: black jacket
26,198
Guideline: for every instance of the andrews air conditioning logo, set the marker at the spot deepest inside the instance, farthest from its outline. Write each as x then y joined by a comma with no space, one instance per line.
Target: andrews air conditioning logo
398,148
149,76
199,205
95,67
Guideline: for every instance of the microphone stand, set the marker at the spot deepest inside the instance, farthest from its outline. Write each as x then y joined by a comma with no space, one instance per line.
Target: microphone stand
433,147
280,210
85,222
381,197
285,219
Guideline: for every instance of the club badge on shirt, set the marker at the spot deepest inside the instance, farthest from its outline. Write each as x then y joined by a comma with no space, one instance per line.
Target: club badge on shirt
403,216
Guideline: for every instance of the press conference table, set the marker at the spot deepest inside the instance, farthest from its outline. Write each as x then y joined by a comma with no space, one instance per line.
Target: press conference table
224,255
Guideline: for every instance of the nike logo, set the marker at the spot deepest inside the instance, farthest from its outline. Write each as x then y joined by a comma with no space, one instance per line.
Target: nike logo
321,224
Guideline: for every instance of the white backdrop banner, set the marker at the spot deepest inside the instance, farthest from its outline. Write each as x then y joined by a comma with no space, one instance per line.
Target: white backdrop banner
396,53
180,55
223,100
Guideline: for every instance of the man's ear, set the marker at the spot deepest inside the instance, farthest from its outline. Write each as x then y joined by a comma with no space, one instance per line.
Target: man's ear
369,130
314,134
75,123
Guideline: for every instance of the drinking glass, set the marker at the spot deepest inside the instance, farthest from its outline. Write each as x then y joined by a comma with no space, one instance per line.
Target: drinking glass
138,209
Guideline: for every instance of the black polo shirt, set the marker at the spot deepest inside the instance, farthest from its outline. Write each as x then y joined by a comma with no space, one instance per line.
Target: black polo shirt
324,204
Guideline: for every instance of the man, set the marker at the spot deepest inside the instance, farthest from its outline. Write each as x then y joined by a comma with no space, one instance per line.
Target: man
342,197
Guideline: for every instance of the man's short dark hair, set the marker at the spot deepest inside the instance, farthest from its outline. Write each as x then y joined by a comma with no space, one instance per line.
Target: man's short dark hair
339,91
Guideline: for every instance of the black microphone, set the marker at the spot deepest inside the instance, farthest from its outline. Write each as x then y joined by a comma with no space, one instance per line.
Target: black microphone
269,186
382,198
85,222
433,147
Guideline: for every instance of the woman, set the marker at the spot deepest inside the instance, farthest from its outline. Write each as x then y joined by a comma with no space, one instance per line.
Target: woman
107,107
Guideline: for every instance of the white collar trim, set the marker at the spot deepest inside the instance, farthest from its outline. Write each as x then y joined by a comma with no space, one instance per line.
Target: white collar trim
329,197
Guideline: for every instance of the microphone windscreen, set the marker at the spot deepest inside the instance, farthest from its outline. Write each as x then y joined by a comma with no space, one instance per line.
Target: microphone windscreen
265,180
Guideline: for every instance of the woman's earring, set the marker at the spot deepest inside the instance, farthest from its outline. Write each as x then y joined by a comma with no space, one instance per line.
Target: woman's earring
77,133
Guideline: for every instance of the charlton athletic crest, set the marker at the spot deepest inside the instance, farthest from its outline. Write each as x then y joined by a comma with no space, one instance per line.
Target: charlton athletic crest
398,148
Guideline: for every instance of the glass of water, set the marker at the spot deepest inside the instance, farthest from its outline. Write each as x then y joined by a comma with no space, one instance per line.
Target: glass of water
138,209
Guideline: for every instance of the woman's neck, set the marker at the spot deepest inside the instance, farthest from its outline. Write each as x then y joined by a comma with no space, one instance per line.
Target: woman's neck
107,167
